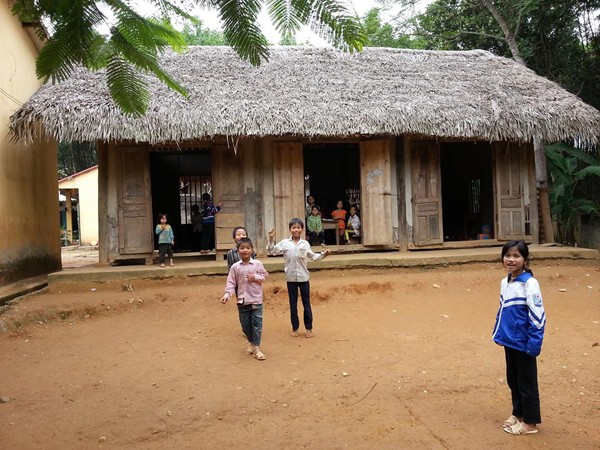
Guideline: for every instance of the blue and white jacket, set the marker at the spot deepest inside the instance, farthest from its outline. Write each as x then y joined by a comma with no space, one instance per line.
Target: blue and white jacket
521,318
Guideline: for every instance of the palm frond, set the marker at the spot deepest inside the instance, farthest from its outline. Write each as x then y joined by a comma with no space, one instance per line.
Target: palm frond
140,56
126,87
333,21
74,36
239,18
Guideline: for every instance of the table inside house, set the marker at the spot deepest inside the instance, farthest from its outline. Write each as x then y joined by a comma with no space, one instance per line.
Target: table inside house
330,224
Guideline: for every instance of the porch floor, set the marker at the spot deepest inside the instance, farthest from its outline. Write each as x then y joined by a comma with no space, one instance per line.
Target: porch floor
197,266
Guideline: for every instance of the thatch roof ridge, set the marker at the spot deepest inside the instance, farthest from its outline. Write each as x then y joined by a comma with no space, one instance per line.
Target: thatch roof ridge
321,92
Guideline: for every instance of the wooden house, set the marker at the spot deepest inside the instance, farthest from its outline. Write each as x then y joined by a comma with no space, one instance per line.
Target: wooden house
431,145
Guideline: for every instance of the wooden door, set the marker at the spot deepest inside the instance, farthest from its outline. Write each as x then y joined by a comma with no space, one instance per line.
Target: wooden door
134,201
510,172
227,181
376,192
426,193
288,185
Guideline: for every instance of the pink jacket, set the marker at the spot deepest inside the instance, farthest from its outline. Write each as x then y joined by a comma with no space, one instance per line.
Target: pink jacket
248,292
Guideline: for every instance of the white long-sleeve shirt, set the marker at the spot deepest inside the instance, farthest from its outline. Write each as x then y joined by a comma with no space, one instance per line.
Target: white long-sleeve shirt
295,256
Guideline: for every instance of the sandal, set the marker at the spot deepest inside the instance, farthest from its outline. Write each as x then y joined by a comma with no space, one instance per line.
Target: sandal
294,333
250,350
518,429
309,334
259,355
512,420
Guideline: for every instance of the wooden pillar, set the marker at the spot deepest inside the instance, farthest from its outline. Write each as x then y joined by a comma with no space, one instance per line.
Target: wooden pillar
544,199
401,188
69,216
103,227
542,188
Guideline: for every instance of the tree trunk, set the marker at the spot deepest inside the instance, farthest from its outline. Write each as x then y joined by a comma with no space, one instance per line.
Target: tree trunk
538,147
541,175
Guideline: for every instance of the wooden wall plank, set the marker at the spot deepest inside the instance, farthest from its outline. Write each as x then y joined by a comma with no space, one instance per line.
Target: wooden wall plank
288,183
228,181
376,191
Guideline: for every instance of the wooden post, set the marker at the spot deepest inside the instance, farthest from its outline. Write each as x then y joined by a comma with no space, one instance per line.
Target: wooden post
541,175
103,227
401,147
544,200
69,216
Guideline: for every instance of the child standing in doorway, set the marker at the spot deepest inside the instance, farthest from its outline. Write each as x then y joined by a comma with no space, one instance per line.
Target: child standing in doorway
314,227
296,252
339,214
245,279
208,223
519,328
233,255
166,240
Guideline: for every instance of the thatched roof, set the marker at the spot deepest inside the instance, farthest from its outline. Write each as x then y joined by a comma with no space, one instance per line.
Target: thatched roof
316,92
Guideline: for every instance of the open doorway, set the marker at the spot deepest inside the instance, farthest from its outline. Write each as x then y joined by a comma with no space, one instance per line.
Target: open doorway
332,173
467,191
179,178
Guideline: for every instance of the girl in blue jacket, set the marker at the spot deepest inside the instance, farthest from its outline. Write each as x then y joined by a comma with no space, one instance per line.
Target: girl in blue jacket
520,330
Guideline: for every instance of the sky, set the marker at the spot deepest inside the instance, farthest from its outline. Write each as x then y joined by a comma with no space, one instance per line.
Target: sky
210,20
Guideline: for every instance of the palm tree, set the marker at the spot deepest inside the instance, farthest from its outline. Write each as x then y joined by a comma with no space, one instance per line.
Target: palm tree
134,43
568,166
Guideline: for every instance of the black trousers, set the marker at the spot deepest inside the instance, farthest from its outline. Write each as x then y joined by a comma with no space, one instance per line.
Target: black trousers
521,376
164,249
208,237
293,296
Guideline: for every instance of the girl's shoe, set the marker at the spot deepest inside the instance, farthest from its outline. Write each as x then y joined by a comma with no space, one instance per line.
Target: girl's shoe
518,429
259,355
162,265
512,420
250,350
309,334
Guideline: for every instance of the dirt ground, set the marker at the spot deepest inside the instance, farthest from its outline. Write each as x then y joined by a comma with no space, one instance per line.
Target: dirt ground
400,359
78,256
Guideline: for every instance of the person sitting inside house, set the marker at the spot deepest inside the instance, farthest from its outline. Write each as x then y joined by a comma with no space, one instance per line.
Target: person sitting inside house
353,226
314,227
340,214
310,202
486,233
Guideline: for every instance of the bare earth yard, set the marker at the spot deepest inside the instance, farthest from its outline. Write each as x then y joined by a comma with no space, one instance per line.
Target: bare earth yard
400,359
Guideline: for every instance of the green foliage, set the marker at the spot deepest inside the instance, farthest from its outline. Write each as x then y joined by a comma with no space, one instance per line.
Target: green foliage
288,40
558,39
568,167
196,34
381,34
74,157
134,43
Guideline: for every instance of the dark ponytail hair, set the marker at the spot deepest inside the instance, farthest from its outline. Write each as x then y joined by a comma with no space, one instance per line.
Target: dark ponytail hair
522,248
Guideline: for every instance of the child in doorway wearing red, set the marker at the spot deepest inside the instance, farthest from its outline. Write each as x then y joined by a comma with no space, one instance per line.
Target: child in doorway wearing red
340,214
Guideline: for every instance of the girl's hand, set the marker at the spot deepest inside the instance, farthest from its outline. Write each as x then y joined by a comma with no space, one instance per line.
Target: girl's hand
250,277
271,233
327,252
224,299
